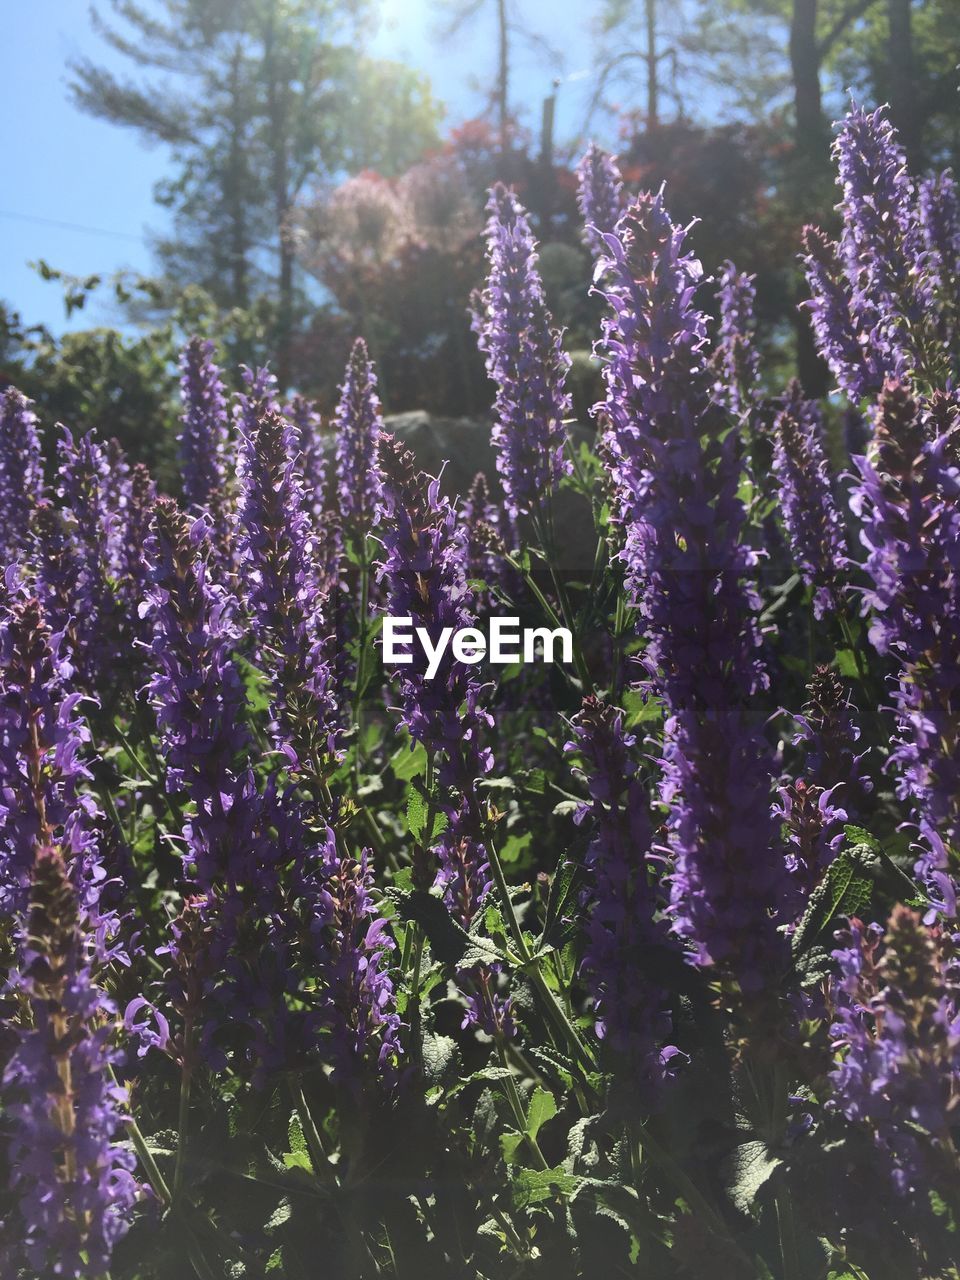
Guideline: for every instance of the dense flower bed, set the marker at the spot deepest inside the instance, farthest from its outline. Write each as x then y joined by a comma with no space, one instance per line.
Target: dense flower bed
642,964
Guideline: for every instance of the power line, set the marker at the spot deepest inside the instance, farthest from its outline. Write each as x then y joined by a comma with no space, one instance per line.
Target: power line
70,226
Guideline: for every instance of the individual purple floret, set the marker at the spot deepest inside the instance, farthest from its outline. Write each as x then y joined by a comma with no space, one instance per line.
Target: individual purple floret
907,502
21,471
284,593
525,359
736,358
599,196
424,571
813,521
622,929
204,437
73,1181
357,425
676,470
897,1028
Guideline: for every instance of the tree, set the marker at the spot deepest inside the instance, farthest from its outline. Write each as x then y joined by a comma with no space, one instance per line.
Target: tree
255,98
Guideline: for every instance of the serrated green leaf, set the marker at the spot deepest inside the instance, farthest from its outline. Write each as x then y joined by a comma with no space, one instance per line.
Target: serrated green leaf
563,891
409,762
542,1107
534,1186
746,1170
298,1157
438,1052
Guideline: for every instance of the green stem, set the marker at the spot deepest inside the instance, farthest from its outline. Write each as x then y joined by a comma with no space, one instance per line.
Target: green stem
552,1006
516,1106
183,1115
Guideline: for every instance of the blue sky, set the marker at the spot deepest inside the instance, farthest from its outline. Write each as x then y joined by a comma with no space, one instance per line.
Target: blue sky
63,167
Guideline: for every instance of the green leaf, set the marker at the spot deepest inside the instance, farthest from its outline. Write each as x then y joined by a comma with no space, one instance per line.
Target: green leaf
534,1186
563,892
847,663
514,846
746,1170
409,763
639,709
510,1143
844,891
425,821
542,1107
298,1157
448,939
438,1052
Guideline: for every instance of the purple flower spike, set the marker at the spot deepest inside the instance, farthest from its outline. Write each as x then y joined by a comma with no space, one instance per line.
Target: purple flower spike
676,471
897,1028
353,948
736,359
599,196
42,742
314,461
911,529
357,424
525,359
203,439
74,1182
284,592
813,521
622,932
84,484
21,471
424,570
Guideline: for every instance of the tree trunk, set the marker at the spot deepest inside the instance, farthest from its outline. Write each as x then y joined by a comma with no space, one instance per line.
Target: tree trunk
903,94
277,122
811,134
236,186
653,84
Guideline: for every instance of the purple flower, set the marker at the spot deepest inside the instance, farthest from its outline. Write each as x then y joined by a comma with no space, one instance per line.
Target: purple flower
424,571
204,435
736,358
283,592
879,308
357,425
21,471
856,367
813,521
623,930
831,785
897,1027
352,946
42,742
599,196
195,688
84,482
907,502
525,359
74,1183
313,462
676,471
